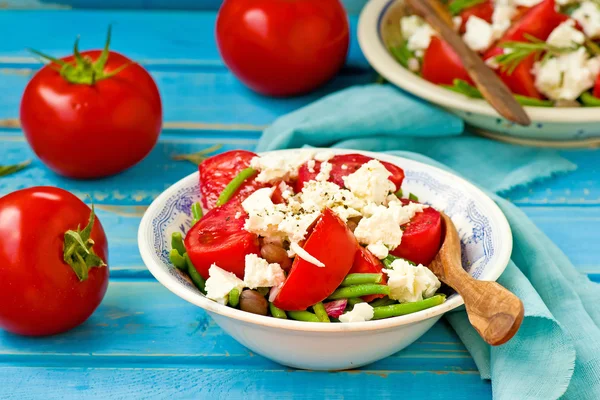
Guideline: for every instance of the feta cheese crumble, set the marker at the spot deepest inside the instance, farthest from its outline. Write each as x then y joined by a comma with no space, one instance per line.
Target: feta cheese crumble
417,32
479,34
370,182
360,313
566,76
280,166
323,174
588,15
502,17
305,255
409,283
220,283
566,35
259,273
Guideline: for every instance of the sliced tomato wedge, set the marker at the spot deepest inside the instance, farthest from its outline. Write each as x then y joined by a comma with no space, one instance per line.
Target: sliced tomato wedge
441,64
520,80
330,242
344,165
366,263
597,87
217,171
422,237
483,10
538,21
219,238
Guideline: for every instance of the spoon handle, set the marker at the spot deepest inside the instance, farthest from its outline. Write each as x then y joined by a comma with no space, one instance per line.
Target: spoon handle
494,312
491,86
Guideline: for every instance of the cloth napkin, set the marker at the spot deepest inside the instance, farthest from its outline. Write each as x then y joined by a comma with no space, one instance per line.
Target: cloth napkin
557,350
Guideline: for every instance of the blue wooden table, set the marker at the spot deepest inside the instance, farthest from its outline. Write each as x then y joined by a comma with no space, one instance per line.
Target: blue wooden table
144,342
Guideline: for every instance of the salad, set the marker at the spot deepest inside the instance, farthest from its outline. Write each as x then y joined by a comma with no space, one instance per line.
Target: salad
546,51
310,236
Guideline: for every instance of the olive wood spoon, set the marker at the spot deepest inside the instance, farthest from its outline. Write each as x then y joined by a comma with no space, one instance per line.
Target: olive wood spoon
493,311
489,84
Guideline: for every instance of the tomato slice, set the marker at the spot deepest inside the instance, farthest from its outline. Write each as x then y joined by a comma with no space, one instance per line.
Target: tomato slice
441,64
539,21
422,237
483,10
520,80
217,171
344,165
366,263
219,238
597,87
330,242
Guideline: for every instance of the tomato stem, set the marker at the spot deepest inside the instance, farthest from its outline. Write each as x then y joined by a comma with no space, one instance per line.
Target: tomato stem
78,252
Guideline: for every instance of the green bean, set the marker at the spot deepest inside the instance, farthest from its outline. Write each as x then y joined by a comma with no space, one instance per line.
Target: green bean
359,291
395,310
354,301
320,312
357,279
399,193
303,316
234,297
277,312
589,100
390,259
177,243
233,186
177,260
196,213
384,301
194,275
413,197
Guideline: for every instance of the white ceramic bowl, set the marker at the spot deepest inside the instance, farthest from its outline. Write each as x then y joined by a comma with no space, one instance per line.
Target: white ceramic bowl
487,245
551,126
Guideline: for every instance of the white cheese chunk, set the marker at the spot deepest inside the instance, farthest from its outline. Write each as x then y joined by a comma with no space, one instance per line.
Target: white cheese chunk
379,228
276,167
259,273
220,283
324,172
566,35
588,15
566,76
305,255
479,34
502,17
409,283
527,3
361,312
324,155
410,24
316,196
421,39
370,182
258,201
379,250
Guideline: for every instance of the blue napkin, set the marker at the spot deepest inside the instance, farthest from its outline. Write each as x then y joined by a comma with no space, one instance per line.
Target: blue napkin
557,350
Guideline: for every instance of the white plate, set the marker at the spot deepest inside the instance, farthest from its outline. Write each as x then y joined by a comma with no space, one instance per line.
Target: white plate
550,126
483,229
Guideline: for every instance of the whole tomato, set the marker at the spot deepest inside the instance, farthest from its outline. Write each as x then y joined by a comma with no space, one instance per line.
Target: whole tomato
53,254
283,47
92,114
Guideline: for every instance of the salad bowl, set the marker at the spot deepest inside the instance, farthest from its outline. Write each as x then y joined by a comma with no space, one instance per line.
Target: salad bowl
551,126
486,242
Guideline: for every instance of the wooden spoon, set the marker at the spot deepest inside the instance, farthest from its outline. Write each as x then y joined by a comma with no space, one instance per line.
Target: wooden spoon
489,84
493,311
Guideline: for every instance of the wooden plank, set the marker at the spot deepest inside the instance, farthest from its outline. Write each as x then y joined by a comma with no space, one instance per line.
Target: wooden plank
235,382
141,323
149,37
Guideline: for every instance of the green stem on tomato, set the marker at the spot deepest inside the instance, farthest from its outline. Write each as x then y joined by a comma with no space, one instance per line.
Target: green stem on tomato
396,310
277,312
357,279
234,185
320,312
359,291
303,316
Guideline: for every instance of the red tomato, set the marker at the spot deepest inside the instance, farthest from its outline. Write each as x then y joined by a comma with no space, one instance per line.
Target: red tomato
538,21
597,87
283,47
366,263
330,242
219,237
441,64
217,171
40,294
422,237
520,80
483,10
344,165
92,130
277,196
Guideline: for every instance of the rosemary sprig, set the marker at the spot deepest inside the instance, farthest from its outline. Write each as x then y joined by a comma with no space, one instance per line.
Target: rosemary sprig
457,6
519,51
11,169
198,157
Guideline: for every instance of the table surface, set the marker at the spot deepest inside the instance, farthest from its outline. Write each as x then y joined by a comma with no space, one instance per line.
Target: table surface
143,341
